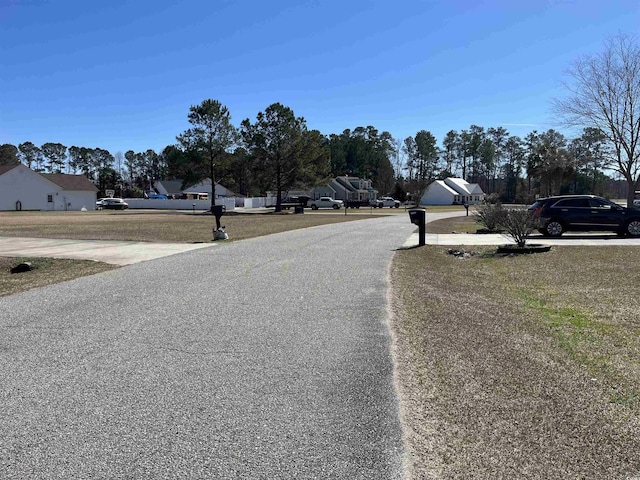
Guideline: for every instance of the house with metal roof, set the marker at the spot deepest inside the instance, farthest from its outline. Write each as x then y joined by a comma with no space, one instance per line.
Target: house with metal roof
173,189
24,189
452,191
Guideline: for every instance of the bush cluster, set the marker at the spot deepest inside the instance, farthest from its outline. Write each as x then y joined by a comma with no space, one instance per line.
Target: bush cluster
518,223
489,215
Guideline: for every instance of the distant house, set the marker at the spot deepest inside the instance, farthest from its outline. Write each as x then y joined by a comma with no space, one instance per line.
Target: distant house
452,191
347,188
24,189
204,187
173,188
170,188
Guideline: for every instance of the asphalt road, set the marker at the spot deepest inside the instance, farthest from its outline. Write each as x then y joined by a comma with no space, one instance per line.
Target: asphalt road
266,358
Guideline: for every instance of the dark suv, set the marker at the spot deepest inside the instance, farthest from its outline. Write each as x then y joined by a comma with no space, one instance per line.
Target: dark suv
584,213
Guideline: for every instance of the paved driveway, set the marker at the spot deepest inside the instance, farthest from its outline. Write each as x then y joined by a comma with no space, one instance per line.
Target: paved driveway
266,358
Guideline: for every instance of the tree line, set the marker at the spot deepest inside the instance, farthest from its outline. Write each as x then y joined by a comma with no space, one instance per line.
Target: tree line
276,152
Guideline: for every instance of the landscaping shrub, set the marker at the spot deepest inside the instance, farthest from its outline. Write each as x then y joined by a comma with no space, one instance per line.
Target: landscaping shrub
518,223
492,198
490,216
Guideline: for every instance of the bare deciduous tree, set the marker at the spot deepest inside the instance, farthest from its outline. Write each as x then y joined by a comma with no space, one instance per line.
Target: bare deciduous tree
604,93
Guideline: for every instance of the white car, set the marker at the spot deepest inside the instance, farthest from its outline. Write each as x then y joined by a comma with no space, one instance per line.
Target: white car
112,204
325,202
386,202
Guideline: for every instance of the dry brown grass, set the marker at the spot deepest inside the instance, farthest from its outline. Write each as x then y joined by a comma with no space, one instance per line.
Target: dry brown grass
454,225
519,367
149,226
46,271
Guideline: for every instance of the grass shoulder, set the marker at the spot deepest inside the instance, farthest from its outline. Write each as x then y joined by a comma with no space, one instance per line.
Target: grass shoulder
46,271
509,356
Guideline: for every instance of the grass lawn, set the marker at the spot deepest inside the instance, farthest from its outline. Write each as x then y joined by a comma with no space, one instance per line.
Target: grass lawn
156,226
454,225
46,271
519,366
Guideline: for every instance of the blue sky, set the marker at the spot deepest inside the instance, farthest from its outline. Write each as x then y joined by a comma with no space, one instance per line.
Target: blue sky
121,75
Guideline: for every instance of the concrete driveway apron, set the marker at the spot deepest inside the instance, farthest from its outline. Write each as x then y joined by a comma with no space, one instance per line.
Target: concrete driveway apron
114,252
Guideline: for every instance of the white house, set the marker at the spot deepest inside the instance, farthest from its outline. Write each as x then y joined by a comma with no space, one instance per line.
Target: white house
452,191
24,189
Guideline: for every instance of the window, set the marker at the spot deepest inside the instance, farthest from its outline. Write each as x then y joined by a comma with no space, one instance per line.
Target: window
573,203
49,198
596,203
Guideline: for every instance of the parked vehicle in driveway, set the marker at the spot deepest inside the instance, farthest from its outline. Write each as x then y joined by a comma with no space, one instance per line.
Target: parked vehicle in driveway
325,202
295,201
584,213
155,196
386,202
113,204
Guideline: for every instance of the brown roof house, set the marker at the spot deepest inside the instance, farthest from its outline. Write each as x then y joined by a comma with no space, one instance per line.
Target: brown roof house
23,189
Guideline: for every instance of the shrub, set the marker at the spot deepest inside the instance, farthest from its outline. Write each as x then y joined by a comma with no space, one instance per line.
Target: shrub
518,223
490,216
492,198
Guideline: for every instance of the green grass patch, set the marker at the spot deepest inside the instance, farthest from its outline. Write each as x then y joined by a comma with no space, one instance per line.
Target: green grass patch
575,331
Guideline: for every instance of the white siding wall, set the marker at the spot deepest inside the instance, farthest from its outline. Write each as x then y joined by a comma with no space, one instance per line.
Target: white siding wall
436,194
75,200
30,189
326,191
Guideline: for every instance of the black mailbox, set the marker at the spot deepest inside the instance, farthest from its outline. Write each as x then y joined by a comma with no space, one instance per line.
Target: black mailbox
418,216
218,211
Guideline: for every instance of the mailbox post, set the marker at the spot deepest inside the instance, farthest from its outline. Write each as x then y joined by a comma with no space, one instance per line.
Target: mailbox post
418,216
218,211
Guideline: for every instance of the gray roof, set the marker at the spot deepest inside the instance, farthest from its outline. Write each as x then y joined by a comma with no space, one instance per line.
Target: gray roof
172,186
